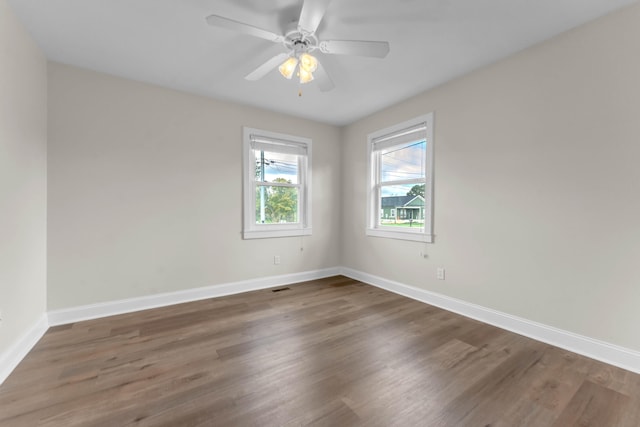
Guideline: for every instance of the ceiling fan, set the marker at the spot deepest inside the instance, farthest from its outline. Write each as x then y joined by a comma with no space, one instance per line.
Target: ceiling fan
300,41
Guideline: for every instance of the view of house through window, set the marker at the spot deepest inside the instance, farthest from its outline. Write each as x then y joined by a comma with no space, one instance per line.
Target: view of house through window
400,180
402,183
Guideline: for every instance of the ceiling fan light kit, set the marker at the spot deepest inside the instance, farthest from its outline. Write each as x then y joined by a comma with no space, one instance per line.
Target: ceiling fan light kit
299,42
306,65
300,60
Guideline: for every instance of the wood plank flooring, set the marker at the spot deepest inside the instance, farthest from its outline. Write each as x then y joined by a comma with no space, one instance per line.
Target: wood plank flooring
332,352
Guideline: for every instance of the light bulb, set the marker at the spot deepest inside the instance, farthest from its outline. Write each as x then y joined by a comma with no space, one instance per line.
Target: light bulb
305,76
288,67
308,62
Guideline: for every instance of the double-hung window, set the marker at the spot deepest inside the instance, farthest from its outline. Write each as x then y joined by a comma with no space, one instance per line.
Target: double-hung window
399,197
277,184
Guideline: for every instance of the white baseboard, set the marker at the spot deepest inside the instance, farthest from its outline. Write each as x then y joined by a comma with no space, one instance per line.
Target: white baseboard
10,358
94,311
595,349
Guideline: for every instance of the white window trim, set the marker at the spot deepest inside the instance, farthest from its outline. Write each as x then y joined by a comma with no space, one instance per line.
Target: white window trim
252,230
373,220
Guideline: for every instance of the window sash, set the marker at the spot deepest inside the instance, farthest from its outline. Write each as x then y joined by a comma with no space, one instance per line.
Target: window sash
378,204
257,207
299,185
255,141
415,130
398,174
276,184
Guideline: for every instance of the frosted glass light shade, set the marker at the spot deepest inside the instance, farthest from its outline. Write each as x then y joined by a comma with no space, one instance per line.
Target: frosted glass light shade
308,62
288,67
305,76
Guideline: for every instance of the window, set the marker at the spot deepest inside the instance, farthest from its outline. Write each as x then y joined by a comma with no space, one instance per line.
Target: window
401,181
277,184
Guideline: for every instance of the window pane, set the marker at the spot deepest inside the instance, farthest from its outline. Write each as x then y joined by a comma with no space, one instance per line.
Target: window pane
405,161
277,167
402,205
276,205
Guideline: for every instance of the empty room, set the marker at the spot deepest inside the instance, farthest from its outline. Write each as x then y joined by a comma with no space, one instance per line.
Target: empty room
319,212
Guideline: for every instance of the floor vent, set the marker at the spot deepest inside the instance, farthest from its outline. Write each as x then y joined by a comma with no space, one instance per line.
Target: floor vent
281,289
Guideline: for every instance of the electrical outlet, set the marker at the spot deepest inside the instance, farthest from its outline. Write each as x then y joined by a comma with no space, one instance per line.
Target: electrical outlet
440,273
276,259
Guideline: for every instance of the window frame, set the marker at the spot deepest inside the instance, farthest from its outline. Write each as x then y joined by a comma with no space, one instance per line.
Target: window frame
251,228
374,183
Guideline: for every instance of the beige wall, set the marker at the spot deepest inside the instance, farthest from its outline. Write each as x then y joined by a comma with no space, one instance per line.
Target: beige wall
23,190
537,185
536,193
145,191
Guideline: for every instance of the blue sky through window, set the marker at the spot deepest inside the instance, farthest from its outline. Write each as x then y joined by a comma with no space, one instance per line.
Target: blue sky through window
278,165
401,162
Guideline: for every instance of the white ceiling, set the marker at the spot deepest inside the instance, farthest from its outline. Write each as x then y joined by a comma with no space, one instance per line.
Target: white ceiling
168,43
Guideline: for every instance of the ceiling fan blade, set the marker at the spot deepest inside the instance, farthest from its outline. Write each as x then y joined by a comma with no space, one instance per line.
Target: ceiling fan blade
355,47
311,15
222,22
325,84
262,70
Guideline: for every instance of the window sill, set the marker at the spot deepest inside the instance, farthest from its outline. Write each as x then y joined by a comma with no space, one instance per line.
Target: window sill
400,235
267,234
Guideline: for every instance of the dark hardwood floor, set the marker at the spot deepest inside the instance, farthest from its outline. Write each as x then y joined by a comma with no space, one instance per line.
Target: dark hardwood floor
332,352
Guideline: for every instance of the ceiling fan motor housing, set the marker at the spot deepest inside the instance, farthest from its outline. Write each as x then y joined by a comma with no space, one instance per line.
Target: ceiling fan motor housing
299,42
